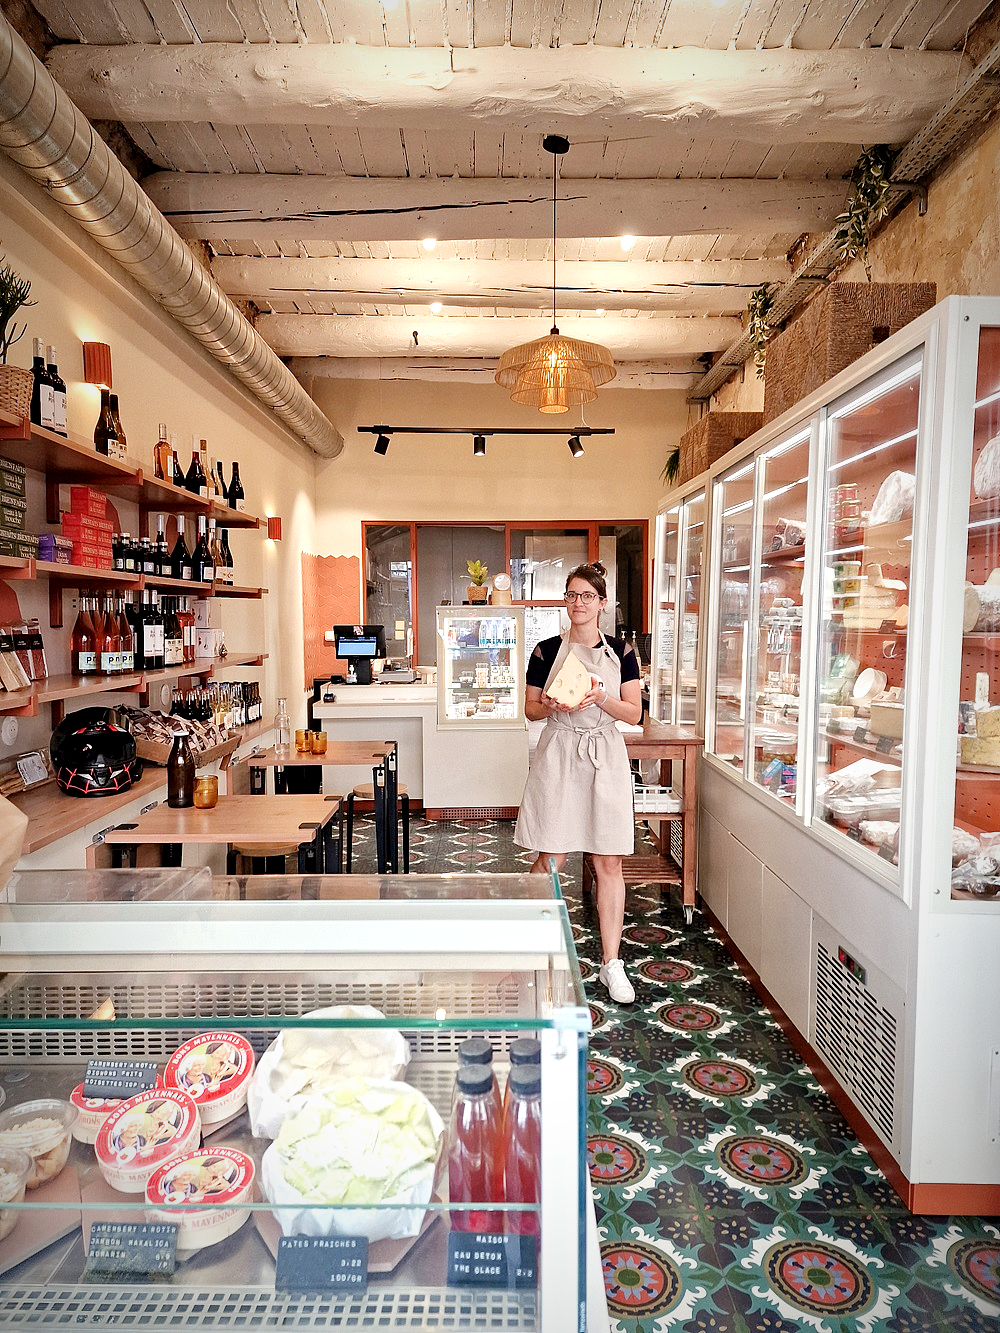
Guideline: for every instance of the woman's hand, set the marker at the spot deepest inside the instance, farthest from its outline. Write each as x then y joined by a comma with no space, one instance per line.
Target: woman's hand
553,705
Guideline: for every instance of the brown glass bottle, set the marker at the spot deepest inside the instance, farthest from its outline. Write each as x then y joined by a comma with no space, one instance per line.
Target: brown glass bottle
83,645
180,773
161,455
105,435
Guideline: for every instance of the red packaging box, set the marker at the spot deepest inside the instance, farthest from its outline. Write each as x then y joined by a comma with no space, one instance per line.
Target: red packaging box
91,555
85,500
83,527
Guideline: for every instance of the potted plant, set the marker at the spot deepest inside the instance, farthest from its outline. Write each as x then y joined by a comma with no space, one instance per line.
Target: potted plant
15,383
478,591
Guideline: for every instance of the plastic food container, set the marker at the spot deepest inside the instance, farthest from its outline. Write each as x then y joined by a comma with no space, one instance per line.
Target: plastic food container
143,1133
43,1130
213,1183
214,1069
15,1168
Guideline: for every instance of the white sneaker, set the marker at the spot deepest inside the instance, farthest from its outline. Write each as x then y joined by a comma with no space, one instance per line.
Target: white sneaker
612,975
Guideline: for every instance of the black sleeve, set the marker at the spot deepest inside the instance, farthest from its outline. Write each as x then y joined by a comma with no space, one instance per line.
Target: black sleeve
626,656
540,662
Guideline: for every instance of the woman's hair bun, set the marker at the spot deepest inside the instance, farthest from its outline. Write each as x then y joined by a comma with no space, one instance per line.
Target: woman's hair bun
598,568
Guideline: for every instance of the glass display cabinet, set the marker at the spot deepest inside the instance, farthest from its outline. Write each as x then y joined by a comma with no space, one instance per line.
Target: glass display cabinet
480,668
678,591
733,524
314,1026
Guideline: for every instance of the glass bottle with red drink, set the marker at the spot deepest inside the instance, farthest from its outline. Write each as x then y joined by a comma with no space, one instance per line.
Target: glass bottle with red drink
83,645
522,1141
475,1158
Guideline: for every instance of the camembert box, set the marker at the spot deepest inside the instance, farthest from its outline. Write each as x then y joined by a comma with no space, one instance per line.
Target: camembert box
214,1069
212,1184
143,1133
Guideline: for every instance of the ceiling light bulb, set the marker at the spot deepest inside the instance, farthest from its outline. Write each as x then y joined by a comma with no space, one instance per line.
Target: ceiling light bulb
435,307
627,242
599,310
479,446
382,444
574,446
429,242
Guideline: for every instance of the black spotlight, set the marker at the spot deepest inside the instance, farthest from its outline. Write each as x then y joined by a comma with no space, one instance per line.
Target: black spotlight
382,444
574,445
479,446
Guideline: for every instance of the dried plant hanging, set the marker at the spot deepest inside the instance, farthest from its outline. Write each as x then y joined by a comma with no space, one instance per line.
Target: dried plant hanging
867,203
672,466
759,309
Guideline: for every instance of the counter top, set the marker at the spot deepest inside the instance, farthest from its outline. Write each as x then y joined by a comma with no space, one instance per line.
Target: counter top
368,696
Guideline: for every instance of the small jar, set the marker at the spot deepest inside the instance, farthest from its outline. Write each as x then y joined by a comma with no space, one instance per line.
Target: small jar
206,792
319,742
15,1168
43,1130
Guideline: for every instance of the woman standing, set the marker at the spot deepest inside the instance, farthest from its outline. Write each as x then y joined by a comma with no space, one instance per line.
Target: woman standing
578,797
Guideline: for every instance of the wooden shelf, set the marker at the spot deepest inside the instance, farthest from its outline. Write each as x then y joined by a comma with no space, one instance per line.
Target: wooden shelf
161,584
12,567
786,556
235,590
165,497
846,739
57,688
79,576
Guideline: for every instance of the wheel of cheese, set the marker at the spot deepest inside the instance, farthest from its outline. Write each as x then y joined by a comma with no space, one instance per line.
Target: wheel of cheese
201,1193
214,1069
143,1133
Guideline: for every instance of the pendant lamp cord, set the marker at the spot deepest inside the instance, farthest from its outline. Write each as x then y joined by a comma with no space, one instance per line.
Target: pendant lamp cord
555,173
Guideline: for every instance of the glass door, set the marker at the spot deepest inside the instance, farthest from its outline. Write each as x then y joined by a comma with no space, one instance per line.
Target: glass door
784,470
692,548
868,541
662,686
733,505
976,846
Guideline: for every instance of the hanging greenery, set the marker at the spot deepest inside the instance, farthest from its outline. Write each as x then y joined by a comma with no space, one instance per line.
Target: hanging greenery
672,466
867,203
759,324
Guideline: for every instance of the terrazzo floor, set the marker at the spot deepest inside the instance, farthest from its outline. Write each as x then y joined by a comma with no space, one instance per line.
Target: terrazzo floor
731,1194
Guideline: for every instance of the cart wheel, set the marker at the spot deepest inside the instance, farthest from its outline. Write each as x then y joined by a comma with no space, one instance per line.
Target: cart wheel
689,916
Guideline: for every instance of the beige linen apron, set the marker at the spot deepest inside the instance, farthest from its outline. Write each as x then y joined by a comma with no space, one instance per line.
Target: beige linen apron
578,797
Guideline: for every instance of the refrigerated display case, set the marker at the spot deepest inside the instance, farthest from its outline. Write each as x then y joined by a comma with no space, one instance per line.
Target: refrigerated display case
680,542
480,667
733,524
316,980
860,878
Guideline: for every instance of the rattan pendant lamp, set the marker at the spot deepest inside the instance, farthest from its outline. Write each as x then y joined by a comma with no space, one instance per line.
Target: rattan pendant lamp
555,373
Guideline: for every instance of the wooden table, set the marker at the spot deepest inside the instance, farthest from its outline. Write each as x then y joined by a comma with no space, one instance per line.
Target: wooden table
666,743
380,756
250,821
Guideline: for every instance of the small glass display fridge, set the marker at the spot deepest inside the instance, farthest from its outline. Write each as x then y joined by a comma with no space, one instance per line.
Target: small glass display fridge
480,668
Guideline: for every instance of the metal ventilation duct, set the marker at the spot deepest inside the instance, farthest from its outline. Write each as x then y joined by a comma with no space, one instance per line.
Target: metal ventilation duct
45,134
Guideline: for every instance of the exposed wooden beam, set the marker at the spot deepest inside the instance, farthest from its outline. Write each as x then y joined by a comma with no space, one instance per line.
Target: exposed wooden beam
392,335
284,209
680,373
771,96
701,288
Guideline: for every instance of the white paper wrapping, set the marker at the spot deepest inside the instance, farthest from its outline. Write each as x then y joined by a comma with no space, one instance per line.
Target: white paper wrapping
894,499
301,1061
986,476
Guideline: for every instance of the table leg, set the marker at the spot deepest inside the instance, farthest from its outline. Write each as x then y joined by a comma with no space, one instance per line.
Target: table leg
172,853
689,834
392,810
310,854
379,784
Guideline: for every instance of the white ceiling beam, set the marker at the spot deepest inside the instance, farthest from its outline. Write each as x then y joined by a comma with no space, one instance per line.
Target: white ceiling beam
777,96
691,288
681,373
392,335
285,209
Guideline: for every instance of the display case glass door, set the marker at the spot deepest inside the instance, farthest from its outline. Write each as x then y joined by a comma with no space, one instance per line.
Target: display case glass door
734,515
662,681
784,470
480,668
692,547
871,450
976,847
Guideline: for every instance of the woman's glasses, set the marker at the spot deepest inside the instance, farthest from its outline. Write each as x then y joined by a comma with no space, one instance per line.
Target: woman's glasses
585,597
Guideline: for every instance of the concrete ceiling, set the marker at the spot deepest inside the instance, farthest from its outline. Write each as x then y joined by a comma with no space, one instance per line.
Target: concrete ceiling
316,148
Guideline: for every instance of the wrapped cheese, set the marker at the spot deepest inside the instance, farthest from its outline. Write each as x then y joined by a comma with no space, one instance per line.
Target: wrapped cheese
986,475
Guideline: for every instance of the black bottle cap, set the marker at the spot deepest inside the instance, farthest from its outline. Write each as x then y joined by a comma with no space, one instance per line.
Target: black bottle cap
474,1079
475,1051
525,1051
525,1080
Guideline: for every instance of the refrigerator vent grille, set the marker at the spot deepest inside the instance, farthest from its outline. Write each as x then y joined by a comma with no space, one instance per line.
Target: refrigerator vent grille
461,812
94,1307
209,1001
856,1035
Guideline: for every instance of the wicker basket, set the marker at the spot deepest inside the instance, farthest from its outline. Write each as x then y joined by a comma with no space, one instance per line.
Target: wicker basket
712,437
15,391
841,324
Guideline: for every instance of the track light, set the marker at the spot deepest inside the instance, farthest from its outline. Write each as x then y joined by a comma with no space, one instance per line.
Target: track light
479,446
382,444
574,445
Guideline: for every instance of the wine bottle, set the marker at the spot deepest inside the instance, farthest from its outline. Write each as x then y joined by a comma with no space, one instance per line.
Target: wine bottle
180,556
226,557
196,481
118,447
235,492
201,559
223,489
111,640
58,394
173,644
177,474
83,646
105,435
127,638
161,455
213,549
42,409
148,558
134,613
154,634
162,549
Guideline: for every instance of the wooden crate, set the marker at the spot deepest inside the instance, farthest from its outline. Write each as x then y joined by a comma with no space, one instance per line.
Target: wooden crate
846,320
712,437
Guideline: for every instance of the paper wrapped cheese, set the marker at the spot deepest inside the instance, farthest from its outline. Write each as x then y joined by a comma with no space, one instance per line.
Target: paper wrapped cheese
572,682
